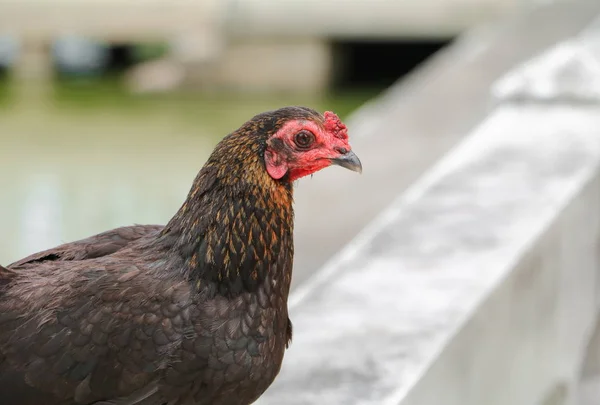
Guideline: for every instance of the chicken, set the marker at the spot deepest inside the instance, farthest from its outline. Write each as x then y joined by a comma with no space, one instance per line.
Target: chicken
194,312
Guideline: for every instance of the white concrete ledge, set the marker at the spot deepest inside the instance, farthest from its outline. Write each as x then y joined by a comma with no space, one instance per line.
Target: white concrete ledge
403,132
568,72
477,286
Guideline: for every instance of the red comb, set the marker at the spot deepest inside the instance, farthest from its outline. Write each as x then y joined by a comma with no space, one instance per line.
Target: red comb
334,125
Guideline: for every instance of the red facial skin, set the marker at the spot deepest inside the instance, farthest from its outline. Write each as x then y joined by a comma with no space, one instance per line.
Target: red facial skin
283,156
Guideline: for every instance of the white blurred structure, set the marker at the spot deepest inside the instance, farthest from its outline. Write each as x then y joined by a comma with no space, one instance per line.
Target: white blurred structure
76,54
481,283
287,41
9,49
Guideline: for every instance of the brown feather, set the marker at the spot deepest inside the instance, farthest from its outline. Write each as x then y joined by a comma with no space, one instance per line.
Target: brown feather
194,312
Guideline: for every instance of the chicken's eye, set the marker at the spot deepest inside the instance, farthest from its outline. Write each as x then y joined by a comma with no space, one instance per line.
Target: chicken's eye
304,139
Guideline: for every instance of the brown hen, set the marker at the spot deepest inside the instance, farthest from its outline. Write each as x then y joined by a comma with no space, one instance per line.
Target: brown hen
192,313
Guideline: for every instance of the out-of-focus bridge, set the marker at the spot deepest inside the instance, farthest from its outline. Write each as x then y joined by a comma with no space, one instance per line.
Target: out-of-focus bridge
115,20
210,37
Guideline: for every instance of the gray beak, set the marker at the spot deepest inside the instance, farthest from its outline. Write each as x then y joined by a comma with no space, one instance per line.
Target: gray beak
350,161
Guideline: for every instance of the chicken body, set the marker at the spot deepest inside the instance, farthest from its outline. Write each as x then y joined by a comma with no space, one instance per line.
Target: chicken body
191,313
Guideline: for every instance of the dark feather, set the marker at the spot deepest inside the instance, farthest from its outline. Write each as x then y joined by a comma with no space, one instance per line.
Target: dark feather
6,276
194,312
103,244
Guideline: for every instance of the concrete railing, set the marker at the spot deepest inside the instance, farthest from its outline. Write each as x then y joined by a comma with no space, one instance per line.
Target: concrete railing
479,284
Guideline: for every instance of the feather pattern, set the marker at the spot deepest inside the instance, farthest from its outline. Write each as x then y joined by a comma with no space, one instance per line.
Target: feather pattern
190,313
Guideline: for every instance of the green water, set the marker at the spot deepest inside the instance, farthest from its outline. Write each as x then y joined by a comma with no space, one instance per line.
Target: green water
78,158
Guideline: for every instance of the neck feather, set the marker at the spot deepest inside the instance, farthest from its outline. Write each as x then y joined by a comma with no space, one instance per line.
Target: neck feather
234,231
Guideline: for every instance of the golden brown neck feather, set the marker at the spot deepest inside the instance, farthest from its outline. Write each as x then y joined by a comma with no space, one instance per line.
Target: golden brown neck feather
234,230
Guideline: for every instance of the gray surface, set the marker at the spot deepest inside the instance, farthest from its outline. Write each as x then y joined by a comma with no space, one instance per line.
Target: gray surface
590,392
589,388
568,72
478,285
414,123
400,319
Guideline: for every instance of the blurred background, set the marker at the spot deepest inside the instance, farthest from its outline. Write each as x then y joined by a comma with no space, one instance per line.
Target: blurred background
108,108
